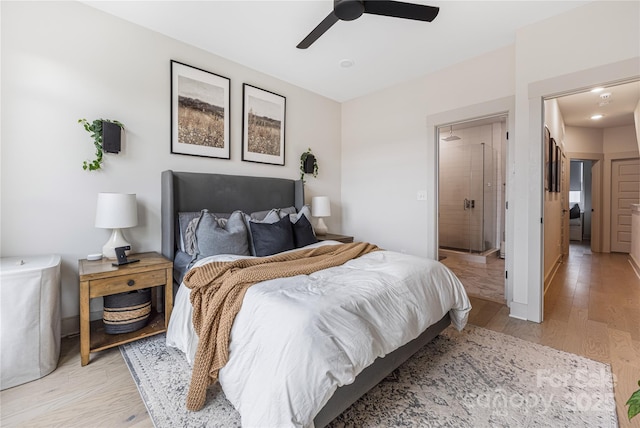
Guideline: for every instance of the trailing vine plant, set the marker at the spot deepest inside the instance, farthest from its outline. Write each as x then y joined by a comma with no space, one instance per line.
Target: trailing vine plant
95,129
308,164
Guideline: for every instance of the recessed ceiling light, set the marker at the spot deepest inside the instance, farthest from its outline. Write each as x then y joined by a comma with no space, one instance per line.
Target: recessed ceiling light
597,116
598,89
346,63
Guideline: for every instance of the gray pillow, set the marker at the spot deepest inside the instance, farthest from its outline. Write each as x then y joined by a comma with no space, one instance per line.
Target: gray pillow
260,215
187,222
305,210
214,235
186,232
272,238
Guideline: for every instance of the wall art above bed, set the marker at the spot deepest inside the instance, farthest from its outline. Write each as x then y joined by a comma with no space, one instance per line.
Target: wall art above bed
263,127
199,112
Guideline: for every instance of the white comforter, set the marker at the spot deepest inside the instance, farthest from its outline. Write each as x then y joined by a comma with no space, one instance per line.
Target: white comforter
297,339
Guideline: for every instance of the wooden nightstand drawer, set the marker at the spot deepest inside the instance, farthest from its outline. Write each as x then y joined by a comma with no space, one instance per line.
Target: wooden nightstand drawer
129,282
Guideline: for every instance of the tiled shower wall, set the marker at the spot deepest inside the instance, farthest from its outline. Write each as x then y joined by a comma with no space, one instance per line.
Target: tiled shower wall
468,173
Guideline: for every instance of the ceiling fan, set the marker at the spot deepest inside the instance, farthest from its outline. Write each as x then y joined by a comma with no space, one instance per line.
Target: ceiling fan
348,10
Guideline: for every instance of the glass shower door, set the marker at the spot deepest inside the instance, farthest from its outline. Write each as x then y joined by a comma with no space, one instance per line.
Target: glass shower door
476,196
461,197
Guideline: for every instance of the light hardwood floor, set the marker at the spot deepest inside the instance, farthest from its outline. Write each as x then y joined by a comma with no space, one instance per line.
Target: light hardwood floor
592,308
483,280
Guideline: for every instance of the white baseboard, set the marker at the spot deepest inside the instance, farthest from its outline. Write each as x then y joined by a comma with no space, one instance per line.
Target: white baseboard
518,310
70,326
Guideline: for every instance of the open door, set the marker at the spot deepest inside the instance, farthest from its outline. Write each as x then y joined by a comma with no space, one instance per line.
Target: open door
565,167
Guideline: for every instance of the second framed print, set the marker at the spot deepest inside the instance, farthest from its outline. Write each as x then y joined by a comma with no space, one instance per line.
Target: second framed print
263,127
199,112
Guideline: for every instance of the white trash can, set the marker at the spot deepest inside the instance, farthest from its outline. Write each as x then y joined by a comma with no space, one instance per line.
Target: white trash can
29,318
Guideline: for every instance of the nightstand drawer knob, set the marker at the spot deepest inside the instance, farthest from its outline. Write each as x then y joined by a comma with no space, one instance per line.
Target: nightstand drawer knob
131,282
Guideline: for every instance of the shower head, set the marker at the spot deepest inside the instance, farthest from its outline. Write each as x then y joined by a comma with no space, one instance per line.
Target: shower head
451,137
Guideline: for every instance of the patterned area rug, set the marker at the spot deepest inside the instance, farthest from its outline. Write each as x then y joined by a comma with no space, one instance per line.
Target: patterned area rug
475,378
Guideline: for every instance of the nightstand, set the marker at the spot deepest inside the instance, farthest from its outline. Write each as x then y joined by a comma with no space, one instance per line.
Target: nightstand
101,278
335,237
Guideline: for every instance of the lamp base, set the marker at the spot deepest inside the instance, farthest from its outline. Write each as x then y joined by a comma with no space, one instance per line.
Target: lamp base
116,240
321,228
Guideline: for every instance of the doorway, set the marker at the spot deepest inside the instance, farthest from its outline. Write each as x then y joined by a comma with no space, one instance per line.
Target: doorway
602,174
471,201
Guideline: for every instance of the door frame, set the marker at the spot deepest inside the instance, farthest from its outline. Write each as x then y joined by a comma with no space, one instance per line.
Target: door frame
497,107
596,195
610,74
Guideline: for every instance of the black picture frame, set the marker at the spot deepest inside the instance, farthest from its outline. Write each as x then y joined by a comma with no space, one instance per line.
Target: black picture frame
558,168
547,149
200,112
263,126
553,170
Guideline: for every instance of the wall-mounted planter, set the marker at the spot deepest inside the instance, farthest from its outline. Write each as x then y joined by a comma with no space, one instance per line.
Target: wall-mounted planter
308,164
111,134
106,136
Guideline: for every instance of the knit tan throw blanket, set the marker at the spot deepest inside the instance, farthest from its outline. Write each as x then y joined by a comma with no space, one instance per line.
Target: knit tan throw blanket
217,290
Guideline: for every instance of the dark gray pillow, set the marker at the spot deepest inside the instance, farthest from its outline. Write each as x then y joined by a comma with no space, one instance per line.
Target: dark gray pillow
271,216
272,238
303,232
221,236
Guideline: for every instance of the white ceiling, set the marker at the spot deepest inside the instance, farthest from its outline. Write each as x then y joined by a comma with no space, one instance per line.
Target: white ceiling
263,35
616,103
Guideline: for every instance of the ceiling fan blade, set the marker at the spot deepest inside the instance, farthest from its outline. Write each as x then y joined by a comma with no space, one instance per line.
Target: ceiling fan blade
398,9
318,31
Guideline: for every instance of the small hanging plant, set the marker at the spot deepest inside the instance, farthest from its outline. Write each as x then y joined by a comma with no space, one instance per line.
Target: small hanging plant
308,164
95,129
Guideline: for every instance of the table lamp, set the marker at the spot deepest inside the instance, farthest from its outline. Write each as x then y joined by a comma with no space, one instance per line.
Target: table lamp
320,207
116,211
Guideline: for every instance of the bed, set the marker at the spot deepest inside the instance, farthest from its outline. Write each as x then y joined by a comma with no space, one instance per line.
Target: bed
191,192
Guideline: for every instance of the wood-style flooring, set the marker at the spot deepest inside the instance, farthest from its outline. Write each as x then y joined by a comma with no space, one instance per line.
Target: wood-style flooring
592,308
483,280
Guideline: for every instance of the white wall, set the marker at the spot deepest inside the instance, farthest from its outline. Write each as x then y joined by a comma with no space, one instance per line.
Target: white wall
62,61
583,140
560,54
553,200
386,154
386,158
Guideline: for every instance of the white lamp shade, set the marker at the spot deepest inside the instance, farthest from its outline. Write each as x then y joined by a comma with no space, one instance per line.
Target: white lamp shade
320,206
116,210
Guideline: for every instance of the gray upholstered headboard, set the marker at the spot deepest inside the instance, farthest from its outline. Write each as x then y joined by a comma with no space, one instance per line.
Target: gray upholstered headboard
193,191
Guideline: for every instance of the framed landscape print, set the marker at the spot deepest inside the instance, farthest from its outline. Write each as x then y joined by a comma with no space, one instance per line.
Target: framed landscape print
199,112
263,125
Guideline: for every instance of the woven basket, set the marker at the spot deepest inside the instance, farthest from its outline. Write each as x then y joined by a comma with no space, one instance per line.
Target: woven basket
126,312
